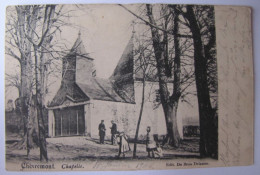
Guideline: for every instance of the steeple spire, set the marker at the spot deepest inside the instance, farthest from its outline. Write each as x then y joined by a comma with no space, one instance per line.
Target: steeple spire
78,46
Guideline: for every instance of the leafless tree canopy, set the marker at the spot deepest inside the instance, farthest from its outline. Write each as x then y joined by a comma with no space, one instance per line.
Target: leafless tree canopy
183,50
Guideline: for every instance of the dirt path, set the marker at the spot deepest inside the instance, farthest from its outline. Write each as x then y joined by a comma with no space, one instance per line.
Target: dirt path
81,149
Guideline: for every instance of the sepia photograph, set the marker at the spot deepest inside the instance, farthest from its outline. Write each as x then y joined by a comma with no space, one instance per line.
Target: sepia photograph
125,87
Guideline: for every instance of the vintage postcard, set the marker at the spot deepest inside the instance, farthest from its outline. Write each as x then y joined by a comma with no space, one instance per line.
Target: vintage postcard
128,87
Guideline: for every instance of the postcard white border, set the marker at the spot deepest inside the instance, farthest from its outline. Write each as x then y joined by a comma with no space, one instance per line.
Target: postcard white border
254,169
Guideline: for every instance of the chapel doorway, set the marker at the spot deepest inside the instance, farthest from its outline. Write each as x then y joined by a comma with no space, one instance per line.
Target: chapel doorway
69,121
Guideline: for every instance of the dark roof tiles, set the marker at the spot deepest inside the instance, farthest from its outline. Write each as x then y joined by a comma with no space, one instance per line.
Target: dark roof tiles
71,90
102,89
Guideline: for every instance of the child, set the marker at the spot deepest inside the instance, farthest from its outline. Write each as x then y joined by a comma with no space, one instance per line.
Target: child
150,143
123,144
159,152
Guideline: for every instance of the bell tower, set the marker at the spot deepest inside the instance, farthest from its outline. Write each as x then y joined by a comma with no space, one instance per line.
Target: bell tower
78,66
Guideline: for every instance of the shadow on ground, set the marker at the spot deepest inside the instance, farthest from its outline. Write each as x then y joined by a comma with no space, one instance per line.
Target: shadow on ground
82,148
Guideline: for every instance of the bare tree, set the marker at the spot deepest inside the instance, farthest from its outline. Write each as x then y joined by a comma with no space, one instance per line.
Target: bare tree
13,81
203,54
31,31
21,25
199,29
169,103
170,55
144,67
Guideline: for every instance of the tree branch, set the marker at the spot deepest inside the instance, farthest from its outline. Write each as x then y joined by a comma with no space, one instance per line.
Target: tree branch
11,53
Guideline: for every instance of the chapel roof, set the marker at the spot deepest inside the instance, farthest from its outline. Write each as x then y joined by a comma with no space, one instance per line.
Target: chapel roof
126,62
96,88
69,91
103,89
118,88
129,65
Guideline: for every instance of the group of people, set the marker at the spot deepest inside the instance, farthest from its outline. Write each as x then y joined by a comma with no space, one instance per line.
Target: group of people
117,138
121,139
102,132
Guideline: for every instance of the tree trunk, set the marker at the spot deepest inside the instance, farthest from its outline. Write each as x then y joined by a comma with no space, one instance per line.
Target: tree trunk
39,107
208,131
140,117
25,27
32,124
168,104
42,134
23,95
177,78
40,75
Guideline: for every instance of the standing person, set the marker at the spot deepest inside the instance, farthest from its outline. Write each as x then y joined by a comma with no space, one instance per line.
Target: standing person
102,132
150,143
113,132
124,146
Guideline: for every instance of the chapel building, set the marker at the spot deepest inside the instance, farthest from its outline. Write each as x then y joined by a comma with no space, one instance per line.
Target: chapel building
83,99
